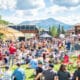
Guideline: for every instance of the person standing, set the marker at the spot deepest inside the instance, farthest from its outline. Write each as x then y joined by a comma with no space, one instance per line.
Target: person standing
12,51
18,73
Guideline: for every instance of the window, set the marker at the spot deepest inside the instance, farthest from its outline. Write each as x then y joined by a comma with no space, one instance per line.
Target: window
22,27
27,27
32,27
18,27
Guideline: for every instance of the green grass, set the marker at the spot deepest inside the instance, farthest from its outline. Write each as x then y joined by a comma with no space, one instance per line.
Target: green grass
29,72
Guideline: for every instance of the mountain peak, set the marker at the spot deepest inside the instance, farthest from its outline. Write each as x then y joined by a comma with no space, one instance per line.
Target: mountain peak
46,23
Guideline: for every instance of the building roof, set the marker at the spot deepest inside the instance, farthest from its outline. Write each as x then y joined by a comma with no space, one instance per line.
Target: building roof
24,27
10,33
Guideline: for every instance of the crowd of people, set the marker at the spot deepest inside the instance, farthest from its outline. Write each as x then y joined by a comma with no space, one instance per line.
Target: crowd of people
39,54
61,74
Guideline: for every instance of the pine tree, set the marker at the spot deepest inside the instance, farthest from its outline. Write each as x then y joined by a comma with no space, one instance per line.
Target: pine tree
62,30
53,31
58,31
50,30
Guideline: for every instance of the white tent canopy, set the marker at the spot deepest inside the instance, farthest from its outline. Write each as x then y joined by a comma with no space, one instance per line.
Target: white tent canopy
62,36
45,35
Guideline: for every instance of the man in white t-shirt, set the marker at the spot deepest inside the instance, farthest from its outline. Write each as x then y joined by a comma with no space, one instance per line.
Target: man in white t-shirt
7,74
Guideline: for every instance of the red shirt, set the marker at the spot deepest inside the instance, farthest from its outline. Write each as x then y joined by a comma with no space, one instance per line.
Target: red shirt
12,49
66,59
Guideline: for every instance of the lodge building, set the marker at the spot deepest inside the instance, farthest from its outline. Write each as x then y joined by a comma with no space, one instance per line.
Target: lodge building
26,28
29,31
77,29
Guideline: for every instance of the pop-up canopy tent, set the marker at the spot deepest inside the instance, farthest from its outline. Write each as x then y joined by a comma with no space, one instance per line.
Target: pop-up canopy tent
45,35
62,36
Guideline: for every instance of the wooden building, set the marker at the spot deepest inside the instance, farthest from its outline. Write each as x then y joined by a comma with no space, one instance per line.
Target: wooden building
70,32
9,33
28,30
77,29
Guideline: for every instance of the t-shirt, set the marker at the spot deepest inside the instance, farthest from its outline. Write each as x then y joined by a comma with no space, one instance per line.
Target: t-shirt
33,64
63,75
19,74
12,50
76,74
38,70
6,75
49,74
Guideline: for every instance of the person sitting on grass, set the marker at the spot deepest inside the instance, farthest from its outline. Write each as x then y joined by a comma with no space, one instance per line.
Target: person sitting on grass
48,74
33,63
7,74
39,69
19,73
6,59
65,59
63,74
76,75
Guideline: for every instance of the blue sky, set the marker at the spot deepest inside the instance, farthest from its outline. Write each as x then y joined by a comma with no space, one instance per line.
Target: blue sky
16,11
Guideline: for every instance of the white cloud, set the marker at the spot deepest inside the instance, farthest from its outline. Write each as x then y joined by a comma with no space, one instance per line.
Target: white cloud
25,13
14,19
76,1
21,4
34,14
72,19
29,4
36,10
22,15
55,11
7,4
67,3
